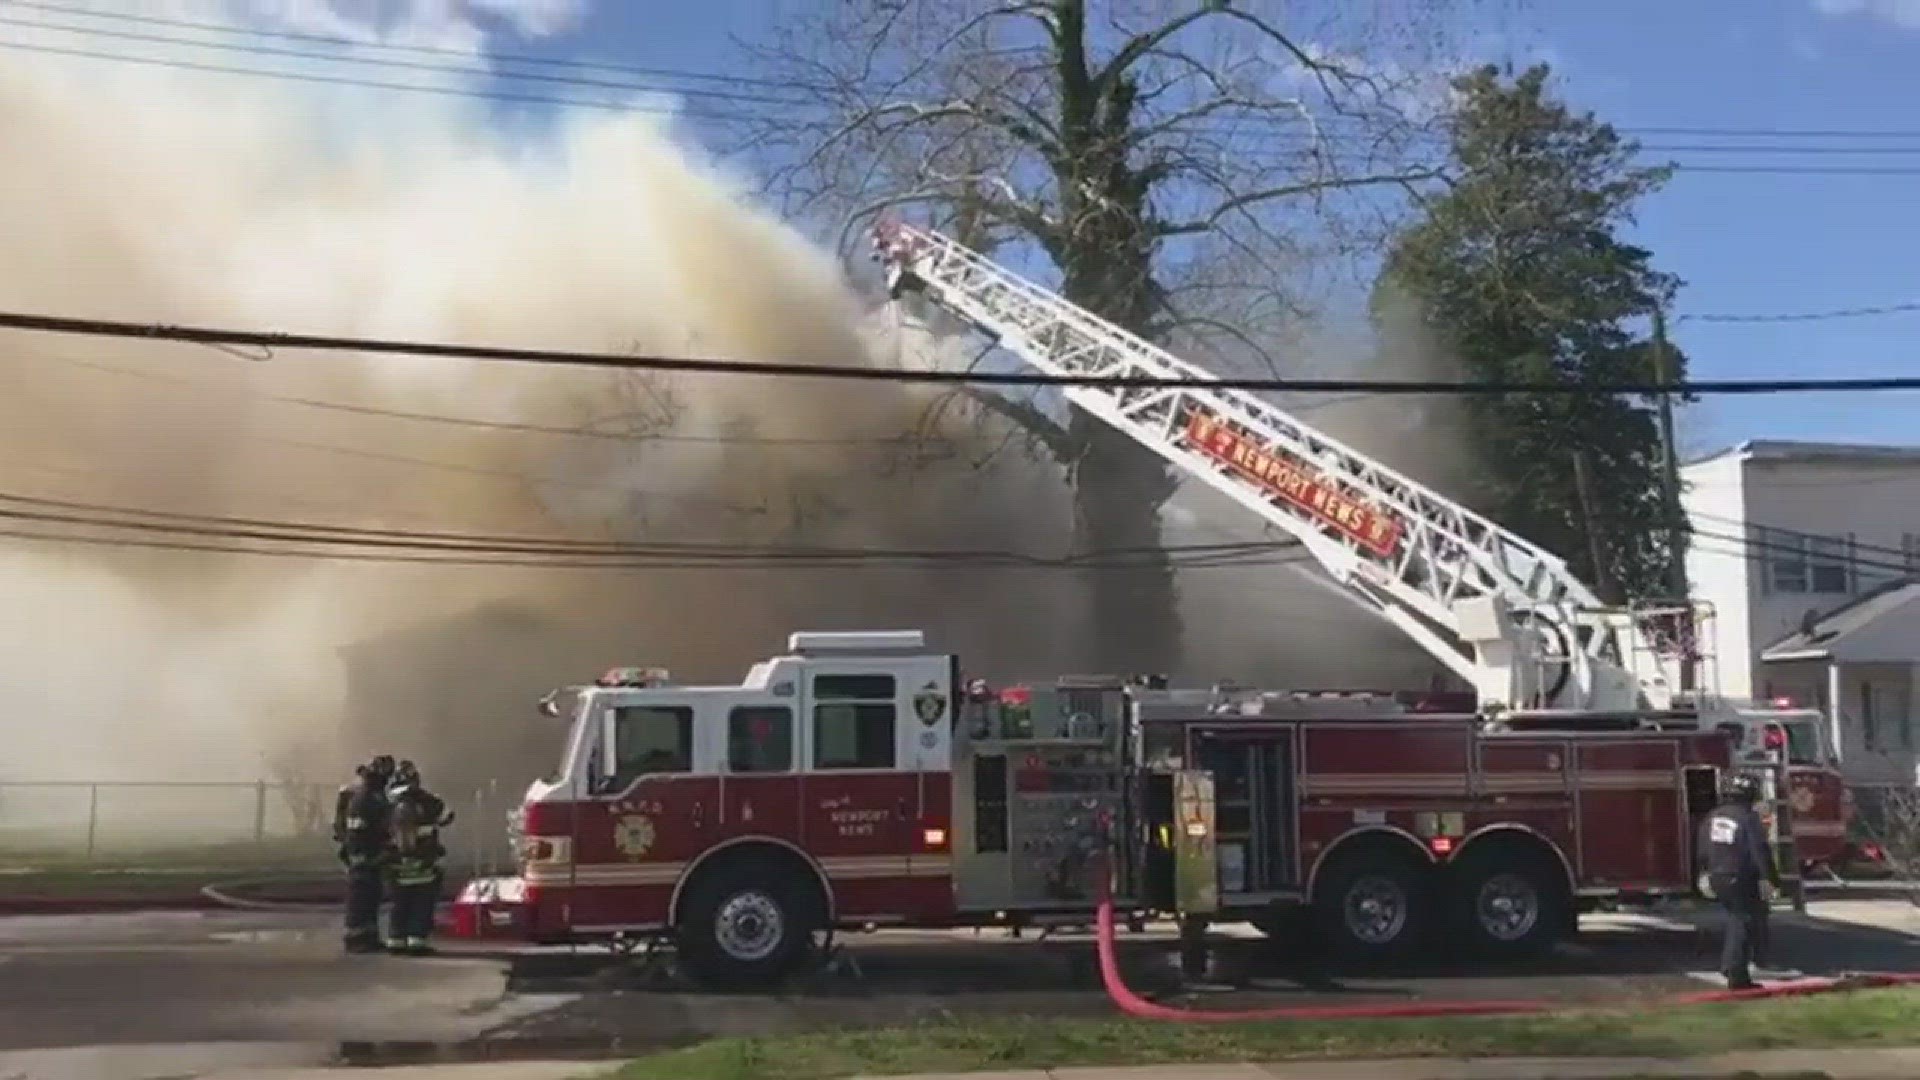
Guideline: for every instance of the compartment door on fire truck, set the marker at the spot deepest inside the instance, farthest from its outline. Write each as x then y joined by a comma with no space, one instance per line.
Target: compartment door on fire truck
1256,808
862,792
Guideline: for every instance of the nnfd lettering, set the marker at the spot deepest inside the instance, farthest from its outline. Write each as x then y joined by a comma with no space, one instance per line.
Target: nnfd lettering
1289,480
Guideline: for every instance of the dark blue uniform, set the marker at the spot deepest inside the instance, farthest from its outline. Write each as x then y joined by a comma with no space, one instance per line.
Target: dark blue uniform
1733,841
362,829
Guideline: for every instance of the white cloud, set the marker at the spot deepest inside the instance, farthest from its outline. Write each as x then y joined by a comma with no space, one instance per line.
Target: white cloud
447,24
534,18
1904,13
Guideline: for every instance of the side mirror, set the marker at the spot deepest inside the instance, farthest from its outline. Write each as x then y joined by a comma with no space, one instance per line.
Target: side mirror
550,704
447,819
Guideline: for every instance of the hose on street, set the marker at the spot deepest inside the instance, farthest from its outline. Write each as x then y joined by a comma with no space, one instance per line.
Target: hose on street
1134,1005
224,894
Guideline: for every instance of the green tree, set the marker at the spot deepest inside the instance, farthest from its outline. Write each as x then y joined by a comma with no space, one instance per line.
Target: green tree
1517,272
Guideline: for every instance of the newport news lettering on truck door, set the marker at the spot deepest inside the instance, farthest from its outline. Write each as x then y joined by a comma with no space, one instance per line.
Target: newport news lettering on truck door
1293,482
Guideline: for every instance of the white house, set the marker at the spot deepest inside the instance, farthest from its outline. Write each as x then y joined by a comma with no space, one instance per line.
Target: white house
1808,554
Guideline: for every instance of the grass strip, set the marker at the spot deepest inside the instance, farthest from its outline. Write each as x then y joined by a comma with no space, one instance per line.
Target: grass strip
1864,1018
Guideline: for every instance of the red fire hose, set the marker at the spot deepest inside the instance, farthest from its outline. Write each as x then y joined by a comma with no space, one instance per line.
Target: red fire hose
1134,1005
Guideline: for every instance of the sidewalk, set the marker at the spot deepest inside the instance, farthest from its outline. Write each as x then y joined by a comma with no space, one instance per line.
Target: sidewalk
1761,1065
1901,1064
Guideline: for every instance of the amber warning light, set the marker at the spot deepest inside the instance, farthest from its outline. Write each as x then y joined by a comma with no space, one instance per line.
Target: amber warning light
1293,482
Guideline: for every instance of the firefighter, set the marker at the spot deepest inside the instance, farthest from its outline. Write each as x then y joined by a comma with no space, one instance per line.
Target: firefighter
418,817
361,822
1738,860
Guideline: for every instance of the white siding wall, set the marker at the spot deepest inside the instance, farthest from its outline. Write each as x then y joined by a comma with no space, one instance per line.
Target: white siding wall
1857,507
1712,494
1857,520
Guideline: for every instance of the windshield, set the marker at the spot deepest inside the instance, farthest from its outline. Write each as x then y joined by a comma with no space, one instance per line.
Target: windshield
1803,743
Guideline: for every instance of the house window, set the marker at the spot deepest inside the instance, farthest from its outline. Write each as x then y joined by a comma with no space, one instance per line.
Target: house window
1885,722
1869,717
853,721
1800,563
1829,565
760,739
1786,556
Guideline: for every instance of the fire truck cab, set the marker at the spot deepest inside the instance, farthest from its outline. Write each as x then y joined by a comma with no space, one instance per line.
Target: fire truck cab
858,781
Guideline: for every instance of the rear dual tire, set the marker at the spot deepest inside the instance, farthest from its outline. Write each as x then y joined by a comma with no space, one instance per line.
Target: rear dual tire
1383,904
1375,905
1506,903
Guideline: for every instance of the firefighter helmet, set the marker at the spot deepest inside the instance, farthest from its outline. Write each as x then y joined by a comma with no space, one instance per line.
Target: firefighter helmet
1742,788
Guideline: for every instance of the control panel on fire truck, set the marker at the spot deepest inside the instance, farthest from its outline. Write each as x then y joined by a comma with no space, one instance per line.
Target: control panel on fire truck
1037,781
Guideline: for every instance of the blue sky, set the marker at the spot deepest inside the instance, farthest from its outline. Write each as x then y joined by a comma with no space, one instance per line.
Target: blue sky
1744,242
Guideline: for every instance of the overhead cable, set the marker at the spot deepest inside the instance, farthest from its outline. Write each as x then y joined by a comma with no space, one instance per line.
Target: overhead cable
219,336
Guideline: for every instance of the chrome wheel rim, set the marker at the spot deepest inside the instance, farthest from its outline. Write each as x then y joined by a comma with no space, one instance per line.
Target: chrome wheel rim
1508,906
749,926
1376,909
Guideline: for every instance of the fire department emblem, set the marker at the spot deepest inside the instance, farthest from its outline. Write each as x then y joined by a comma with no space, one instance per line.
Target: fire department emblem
1802,800
930,704
633,835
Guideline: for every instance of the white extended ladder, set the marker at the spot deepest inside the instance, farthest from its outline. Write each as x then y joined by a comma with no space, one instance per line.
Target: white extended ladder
1501,612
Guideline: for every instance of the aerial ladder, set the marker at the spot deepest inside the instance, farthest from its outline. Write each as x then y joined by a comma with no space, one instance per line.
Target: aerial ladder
1502,613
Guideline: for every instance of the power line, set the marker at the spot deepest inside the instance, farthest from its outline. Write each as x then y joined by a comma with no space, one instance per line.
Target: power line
879,442
245,536
222,533
337,80
399,65
720,116
469,70
1808,316
781,84
205,335
572,63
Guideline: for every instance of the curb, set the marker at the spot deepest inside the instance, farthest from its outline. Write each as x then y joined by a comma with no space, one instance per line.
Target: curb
116,905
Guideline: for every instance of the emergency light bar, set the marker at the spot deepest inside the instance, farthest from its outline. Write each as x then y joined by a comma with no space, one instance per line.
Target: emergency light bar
634,676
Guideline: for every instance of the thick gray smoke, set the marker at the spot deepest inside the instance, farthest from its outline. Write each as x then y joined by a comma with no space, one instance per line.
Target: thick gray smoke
169,196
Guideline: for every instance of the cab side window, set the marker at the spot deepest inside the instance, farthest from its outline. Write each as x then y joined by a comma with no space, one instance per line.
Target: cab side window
853,721
760,739
650,740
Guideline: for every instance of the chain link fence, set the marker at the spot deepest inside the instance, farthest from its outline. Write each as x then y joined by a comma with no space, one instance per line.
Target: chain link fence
216,824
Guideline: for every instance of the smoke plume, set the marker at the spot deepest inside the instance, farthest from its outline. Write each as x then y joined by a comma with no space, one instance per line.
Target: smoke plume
157,194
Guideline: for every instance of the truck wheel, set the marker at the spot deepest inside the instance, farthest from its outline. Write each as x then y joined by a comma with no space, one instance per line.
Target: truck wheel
1372,905
1506,903
744,928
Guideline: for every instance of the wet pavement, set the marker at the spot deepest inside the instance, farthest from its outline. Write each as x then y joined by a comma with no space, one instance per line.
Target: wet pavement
187,993
184,977
903,977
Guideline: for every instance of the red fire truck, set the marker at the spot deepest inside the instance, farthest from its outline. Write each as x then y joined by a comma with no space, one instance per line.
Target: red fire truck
856,781
851,782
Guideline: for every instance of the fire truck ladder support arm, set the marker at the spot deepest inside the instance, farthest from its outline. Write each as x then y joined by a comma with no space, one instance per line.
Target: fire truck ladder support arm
1499,611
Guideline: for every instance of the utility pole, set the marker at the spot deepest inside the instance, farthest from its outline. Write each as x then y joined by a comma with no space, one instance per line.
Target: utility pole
1590,518
1670,496
1670,458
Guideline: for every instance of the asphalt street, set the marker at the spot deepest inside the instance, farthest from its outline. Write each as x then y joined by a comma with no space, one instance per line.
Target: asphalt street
277,988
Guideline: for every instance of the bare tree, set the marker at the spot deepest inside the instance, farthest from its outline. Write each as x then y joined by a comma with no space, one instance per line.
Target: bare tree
309,804
1889,817
1176,165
